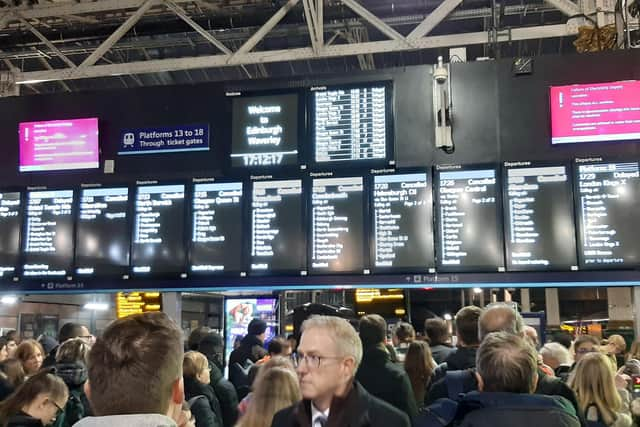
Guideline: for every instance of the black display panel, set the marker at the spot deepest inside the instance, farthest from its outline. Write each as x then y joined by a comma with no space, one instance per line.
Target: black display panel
337,225
539,227
607,208
10,224
216,235
48,237
265,130
402,222
277,230
469,236
158,232
103,240
352,123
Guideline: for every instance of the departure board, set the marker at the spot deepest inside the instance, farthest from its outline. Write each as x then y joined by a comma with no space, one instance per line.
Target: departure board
103,238
277,232
337,225
48,241
158,230
10,224
469,233
607,209
216,236
402,222
539,227
350,124
265,130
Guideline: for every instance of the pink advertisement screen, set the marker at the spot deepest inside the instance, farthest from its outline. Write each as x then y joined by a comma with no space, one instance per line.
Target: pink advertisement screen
59,145
595,112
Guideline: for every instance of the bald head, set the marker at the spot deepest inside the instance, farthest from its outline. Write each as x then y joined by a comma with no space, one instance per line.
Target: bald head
531,335
500,318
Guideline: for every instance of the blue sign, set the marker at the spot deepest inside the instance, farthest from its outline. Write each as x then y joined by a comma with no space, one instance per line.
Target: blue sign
164,139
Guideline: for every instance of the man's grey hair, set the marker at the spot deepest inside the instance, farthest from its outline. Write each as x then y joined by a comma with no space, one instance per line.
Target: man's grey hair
344,335
500,317
556,351
507,363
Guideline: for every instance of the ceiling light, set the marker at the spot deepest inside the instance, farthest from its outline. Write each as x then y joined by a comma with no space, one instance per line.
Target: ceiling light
9,299
97,306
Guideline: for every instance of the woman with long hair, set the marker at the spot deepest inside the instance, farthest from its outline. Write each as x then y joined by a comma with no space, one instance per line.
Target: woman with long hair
595,388
419,366
35,403
31,354
205,406
276,388
11,376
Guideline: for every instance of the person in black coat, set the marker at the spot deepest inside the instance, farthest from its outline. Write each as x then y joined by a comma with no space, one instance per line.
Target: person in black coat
212,346
251,350
377,373
326,362
205,406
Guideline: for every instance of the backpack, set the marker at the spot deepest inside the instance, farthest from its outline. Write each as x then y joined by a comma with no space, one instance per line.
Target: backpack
73,412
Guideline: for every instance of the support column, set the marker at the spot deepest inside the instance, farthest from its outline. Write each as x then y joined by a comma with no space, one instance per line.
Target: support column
620,306
525,300
172,306
636,311
553,306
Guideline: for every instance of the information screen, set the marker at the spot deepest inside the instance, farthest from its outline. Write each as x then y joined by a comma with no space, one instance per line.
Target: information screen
103,239
539,228
216,237
265,130
48,242
595,112
402,222
59,145
10,224
337,225
158,231
608,195
277,232
469,233
350,124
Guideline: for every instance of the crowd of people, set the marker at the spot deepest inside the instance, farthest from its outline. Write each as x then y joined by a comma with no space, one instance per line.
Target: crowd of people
340,373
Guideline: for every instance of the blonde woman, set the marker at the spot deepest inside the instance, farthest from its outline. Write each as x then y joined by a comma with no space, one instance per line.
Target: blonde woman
275,389
31,354
595,388
205,406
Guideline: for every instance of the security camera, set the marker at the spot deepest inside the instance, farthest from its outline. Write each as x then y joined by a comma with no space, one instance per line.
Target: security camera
440,72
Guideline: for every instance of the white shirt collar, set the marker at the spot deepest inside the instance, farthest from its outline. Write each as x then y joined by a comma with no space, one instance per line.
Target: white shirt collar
315,413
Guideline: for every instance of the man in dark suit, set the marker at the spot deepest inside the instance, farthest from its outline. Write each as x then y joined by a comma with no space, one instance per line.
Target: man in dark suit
326,361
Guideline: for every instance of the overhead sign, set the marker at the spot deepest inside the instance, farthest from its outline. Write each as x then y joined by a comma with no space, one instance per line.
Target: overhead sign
137,302
164,139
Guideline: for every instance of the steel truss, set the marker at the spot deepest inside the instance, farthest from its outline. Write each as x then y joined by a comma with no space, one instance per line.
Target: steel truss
357,41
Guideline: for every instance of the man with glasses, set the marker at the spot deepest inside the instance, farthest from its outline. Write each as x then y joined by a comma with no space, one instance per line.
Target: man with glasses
68,331
326,361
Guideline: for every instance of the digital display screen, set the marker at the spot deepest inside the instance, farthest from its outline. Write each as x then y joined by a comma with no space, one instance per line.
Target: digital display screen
277,232
337,225
469,234
158,231
402,223
265,131
350,124
10,224
103,238
59,145
48,242
239,312
607,209
539,228
595,112
216,237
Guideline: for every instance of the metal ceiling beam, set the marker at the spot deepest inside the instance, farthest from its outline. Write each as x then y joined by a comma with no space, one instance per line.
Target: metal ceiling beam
188,63
567,7
117,35
374,20
320,21
264,30
434,18
310,14
47,42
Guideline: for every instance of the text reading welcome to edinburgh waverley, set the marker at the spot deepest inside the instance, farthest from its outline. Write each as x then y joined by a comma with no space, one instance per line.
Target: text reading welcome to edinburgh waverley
164,139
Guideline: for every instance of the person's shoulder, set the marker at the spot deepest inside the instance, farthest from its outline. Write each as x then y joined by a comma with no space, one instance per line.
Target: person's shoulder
382,413
284,417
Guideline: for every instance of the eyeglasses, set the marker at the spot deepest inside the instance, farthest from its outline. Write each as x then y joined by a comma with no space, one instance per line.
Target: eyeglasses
312,361
60,410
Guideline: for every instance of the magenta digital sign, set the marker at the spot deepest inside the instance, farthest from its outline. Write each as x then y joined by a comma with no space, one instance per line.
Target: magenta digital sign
595,112
59,145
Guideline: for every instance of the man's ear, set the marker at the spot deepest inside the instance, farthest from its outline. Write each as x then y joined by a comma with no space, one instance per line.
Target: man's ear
87,389
480,381
536,378
349,364
177,391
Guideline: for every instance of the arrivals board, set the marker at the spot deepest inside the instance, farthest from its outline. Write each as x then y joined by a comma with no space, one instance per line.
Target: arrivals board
10,224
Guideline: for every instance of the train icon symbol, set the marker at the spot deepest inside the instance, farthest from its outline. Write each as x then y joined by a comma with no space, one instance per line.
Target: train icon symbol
129,139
